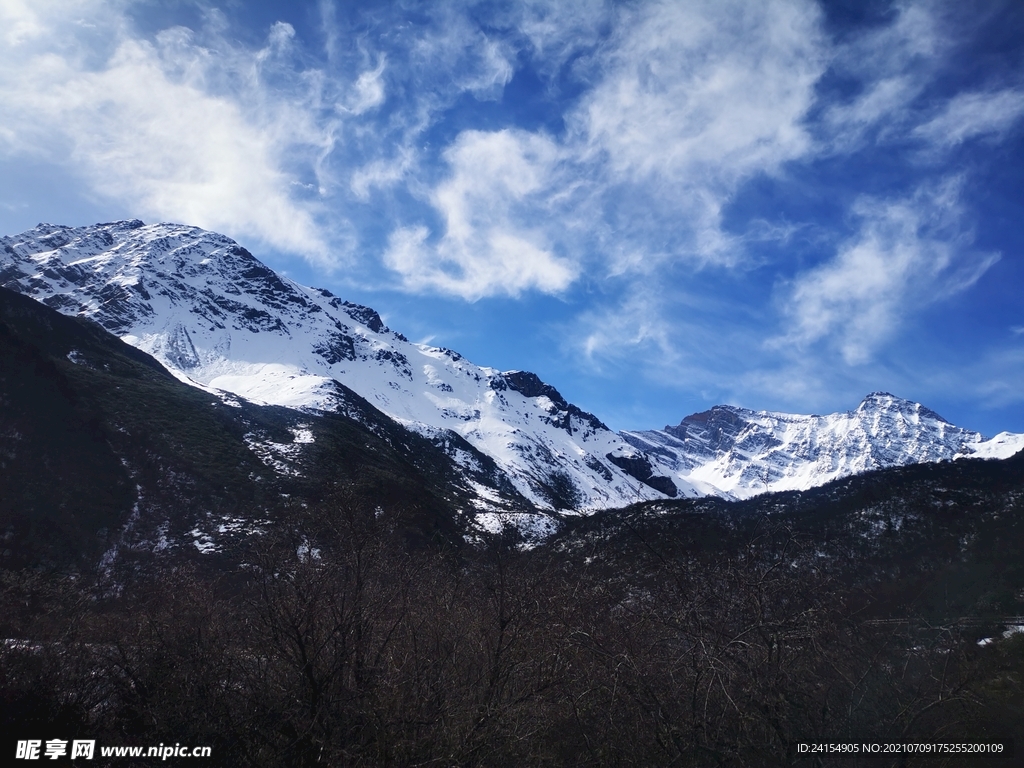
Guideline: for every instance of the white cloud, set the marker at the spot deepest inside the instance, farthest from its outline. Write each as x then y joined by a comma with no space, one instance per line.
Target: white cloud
895,65
916,36
174,129
892,64
883,102
698,97
493,70
968,115
369,89
558,30
637,323
507,265
19,22
689,102
486,248
490,173
382,174
707,93
454,56
907,254
432,60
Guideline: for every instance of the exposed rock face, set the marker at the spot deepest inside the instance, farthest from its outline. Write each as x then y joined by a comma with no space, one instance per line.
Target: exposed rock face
739,452
218,318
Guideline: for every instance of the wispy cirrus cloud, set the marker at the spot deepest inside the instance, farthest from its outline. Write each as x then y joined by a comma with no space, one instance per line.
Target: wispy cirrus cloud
259,141
969,115
181,130
889,67
896,68
497,183
369,89
704,94
906,254
685,105
677,118
694,100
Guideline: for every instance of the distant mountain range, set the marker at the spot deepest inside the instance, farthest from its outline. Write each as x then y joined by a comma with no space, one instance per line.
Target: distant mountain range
739,452
510,444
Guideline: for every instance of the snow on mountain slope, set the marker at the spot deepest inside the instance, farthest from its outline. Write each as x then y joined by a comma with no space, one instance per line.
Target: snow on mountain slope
738,452
218,318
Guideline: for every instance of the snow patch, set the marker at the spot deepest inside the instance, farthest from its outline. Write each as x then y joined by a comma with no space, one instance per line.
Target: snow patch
533,528
203,542
1013,629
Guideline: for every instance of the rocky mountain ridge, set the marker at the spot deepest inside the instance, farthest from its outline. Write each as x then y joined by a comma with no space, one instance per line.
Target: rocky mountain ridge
220,320
740,452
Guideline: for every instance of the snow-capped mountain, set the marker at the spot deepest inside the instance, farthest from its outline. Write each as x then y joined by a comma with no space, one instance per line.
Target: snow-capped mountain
730,451
218,318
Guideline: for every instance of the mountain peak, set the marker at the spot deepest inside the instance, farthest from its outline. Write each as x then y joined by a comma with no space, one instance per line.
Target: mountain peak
728,450
880,395
366,316
218,318
882,401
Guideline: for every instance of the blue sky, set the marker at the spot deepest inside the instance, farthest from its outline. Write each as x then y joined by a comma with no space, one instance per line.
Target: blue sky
657,207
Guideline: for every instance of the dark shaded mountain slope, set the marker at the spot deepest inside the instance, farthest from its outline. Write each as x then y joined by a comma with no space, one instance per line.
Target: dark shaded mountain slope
939,541
104,454
692,633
